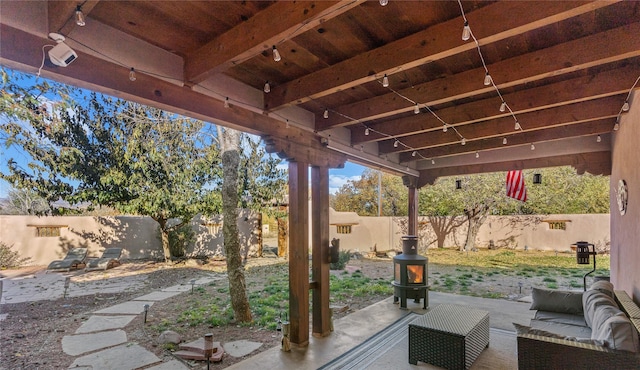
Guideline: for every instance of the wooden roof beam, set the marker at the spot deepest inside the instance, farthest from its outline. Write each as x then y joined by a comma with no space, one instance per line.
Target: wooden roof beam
280,21
435,43
575,55
607,83
596,163
553,117
597,127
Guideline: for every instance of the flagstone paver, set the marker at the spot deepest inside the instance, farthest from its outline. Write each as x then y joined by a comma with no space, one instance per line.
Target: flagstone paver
126,308
78,344
156,296
124,357
241,348
101,323
171,365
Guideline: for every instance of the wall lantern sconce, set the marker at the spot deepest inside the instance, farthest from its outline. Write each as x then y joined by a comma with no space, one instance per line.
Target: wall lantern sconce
582,258
537,178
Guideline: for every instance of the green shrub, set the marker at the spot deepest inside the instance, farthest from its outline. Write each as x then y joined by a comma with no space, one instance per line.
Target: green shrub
343,258
179,240
9,258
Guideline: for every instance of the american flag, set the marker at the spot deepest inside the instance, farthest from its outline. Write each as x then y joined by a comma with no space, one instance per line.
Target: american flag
515,186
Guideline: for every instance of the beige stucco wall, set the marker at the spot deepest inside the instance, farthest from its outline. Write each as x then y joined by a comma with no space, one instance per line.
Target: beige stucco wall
506,232
138,236
625,229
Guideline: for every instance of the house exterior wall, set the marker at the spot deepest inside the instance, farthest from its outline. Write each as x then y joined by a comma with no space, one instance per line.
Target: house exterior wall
625,229
138,236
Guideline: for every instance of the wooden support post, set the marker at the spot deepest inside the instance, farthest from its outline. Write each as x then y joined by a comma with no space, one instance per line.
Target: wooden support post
299,252
320,251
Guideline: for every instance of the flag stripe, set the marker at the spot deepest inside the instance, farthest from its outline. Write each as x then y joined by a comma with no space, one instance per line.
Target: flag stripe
515,186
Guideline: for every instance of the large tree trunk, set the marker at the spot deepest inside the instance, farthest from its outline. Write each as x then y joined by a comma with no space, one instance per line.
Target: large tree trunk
230,140
164,237
476,218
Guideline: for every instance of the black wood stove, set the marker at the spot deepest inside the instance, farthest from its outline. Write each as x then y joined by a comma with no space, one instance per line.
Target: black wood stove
410,274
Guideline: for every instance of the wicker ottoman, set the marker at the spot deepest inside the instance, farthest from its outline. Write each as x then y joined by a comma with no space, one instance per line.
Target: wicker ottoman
449,336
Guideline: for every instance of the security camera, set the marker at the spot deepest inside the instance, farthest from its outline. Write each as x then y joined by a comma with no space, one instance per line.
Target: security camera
61,54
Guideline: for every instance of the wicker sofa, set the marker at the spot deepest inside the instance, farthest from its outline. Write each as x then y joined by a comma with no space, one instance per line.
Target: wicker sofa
597,329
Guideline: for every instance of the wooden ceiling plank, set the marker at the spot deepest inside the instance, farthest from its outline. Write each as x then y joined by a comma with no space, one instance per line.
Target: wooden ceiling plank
280,21
596,163
607,83
435,43
591,51
597,127
558,116
21,50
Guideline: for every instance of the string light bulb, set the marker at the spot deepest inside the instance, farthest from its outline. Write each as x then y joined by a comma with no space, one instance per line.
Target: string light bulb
326,113
477,155
395,143
533,147
433,161
503,107
287,124
267,87
487,79
366,131
384,2
80,20
362,148
616,127
416,109
517,126
276,54
444,128
504,141
226,102
132,74
463,141
414,153
598,139
625,106
466,31
385,81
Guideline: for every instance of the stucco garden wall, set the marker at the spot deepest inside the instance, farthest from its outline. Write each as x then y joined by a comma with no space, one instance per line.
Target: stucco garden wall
515,232
138,236
625,229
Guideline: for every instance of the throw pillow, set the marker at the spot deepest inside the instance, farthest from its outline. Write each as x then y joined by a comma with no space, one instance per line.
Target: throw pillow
591,300
556,301
619,333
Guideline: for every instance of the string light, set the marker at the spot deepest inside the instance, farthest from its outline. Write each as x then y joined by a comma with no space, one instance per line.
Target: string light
132,74
414,153
385,81
477,155
517,126
487,79
416,109
384,2
616,127
362,148
267,87
395,143
466,31
463,141
80,20
276,54
504,141
444,128
287,123
503,107
598,139
326,113
533,147
226,102
625,106
366,131
433,161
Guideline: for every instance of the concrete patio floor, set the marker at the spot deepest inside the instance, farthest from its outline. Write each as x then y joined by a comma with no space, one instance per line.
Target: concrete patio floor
355,328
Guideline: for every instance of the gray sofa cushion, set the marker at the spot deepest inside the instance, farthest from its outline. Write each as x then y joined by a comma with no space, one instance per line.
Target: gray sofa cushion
618,332
591,300
604,287
561,318
557,301
563,330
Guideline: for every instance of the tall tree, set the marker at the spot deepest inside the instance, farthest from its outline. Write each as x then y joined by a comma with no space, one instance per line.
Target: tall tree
229,145
92,148
362,195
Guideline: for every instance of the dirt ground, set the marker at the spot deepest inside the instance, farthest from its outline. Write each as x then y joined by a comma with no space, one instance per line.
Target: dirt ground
31,333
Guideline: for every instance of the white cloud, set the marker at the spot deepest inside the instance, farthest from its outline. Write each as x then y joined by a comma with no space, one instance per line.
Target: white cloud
336,181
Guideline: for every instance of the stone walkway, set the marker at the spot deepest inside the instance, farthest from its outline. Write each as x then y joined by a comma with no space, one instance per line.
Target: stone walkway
101,341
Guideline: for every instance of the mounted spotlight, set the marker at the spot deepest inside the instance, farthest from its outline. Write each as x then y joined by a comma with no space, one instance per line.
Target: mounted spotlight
61,54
